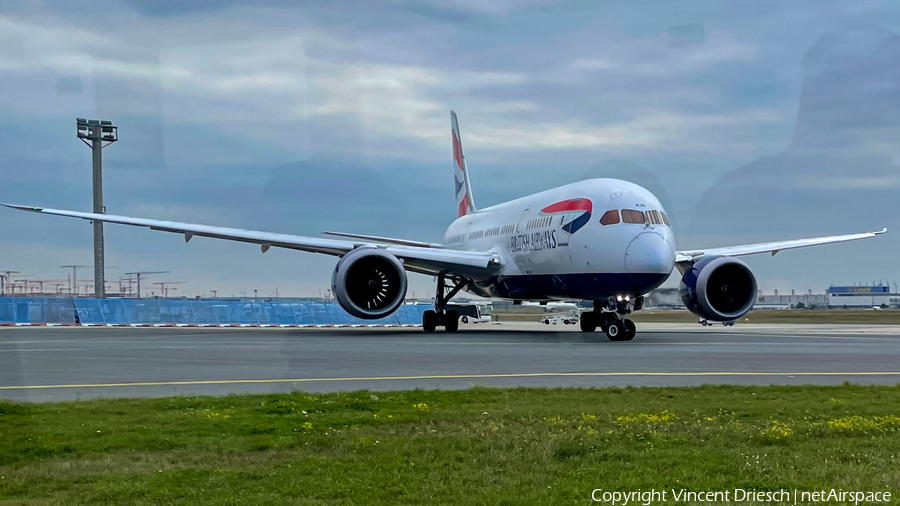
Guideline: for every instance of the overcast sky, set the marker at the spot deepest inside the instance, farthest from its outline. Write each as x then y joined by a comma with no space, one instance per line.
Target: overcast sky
752,121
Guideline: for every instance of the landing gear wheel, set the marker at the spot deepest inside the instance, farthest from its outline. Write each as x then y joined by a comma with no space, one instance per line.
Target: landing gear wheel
615,331
429,321
450,321
588,322
630,330
565,322
604,321
465,319
546,322
440,316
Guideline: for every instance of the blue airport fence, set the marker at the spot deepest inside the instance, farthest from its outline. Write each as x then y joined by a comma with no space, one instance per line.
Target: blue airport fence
36,310
201,312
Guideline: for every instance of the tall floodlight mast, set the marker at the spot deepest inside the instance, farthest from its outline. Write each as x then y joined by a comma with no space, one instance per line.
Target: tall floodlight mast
100,133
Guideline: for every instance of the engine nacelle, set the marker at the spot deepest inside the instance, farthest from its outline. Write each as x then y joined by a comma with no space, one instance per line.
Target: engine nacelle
719,289
369,283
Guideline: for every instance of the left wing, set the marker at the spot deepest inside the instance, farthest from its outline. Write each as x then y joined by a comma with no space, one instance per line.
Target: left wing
686,258
416,259
386,240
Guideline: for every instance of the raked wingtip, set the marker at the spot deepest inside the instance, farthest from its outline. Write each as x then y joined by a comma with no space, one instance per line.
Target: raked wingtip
22,208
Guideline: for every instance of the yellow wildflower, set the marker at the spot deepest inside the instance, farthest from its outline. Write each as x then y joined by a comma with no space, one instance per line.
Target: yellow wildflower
777,430
664,417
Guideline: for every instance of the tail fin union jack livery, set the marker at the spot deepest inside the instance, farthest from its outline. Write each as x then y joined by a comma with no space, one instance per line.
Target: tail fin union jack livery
464,201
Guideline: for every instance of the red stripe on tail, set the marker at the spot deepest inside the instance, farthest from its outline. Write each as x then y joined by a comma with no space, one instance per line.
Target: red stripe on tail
457,153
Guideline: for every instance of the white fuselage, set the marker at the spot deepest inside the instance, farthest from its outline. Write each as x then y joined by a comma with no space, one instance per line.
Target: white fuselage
552,244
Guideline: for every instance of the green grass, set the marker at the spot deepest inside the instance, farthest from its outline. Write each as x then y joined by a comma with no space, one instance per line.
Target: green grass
477,446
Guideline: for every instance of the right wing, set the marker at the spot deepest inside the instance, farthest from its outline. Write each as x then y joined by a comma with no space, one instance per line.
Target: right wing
687,258
424,260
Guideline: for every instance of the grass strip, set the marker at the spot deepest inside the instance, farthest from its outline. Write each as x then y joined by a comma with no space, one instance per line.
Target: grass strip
475,446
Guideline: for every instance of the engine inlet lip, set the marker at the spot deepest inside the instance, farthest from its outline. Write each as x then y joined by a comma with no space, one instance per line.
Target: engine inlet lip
353,305
703,280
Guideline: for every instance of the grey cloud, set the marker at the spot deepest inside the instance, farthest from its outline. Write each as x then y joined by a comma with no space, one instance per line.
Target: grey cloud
446,11
851,86
829,180
212,148
354,198
179,7
685,35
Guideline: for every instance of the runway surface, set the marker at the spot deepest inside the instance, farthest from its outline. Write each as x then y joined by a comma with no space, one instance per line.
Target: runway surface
41,364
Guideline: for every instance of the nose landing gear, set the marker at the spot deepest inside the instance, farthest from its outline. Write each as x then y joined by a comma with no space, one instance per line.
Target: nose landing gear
612,322
620,329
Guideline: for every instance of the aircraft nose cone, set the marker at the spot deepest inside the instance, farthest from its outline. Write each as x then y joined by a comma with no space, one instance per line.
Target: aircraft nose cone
649,253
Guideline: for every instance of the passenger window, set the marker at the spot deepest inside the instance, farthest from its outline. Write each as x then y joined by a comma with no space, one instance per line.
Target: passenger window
632,216
610,217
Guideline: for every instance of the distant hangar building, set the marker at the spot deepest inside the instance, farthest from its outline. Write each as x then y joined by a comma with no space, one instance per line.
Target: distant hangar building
862,296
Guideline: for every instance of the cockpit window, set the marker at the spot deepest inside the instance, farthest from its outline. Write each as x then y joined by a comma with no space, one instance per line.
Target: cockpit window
654,217
632,216
665,218
610,217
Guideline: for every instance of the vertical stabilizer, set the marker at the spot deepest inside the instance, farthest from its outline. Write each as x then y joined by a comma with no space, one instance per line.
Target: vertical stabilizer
464,202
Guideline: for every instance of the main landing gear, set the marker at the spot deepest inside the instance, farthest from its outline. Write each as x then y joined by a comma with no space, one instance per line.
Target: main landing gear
441,316
612,322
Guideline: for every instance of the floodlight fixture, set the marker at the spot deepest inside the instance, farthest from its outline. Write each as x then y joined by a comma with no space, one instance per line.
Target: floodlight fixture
96,130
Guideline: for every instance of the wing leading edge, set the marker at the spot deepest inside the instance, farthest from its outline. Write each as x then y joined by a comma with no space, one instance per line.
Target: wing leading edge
424,260
418,257
386,240
684,258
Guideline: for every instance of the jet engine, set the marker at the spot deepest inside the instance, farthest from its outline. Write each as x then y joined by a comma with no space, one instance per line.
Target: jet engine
718,289
369,283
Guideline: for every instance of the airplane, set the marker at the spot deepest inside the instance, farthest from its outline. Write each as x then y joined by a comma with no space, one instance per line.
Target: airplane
604,240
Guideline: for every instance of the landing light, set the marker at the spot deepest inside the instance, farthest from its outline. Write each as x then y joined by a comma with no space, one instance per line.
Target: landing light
619,298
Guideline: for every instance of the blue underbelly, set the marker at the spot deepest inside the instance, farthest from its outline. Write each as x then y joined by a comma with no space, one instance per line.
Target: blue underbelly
573,286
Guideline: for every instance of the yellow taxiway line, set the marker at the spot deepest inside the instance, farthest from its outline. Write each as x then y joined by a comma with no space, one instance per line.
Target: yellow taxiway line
449,377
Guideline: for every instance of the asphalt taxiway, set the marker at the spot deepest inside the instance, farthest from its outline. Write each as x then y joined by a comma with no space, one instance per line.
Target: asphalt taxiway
50,364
